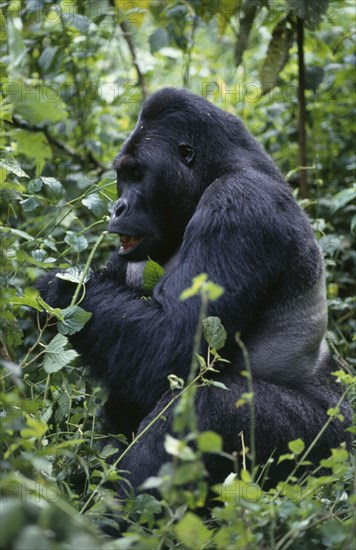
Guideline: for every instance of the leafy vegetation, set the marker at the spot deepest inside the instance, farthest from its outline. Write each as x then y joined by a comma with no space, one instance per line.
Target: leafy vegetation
73,75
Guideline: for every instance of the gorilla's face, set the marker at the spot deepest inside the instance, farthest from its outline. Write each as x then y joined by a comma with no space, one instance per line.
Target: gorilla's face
155,179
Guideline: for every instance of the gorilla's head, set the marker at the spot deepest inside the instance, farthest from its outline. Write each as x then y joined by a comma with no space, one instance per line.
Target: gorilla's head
180,145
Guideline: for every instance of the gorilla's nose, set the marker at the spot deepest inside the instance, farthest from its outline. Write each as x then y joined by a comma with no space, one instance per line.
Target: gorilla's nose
120,207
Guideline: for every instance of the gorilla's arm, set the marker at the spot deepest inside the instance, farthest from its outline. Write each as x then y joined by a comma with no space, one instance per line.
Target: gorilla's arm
133,343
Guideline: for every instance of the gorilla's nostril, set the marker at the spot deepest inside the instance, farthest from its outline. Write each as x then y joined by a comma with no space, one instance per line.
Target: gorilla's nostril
120,207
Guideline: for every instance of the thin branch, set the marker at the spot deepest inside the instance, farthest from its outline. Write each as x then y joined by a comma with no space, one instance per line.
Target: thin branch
188,57
127,34
61,145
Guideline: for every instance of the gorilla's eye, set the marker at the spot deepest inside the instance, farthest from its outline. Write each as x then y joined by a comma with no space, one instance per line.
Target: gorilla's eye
131,172
186,153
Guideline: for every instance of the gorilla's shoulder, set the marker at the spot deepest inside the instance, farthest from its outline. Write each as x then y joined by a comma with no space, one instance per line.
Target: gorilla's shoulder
248,186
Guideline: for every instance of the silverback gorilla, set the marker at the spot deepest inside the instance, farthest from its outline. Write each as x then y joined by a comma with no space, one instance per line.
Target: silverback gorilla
199,195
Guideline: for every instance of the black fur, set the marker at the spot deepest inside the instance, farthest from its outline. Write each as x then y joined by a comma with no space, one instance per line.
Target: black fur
206,198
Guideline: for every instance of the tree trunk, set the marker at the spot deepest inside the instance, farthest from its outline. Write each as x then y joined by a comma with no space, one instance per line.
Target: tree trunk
303,181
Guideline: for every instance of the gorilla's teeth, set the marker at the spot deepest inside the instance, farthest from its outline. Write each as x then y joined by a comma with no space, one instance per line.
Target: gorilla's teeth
128,241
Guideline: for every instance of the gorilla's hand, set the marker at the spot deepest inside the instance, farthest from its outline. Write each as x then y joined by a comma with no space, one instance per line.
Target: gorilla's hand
58,292
55,291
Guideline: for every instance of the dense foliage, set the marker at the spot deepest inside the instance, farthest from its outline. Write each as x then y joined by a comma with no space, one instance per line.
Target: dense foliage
73,78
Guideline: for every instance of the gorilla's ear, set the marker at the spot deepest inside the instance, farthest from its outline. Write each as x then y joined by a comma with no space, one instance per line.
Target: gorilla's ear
186,153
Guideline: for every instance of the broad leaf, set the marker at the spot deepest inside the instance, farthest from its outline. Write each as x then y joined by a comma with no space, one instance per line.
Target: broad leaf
12,166
73,275
214,332
30,204
35,146
297,446
74,319
95,204
56,356
152,273
209,442
159,39
192,532
78,243
55,189
37,104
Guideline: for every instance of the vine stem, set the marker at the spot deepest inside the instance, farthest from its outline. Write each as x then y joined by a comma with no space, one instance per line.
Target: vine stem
134,441
198,334
38,340
86,268
247,364
315,440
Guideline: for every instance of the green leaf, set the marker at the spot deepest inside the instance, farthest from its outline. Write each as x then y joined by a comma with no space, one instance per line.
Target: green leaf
79,22
214,332
209,442
3,174
50,243
353,224
178,448
55,311
12,166
107,189
35,146
17,49
37,104
194,290
107,451
46,58
217,384
56,356
152,273
78,243
277,54
74,275
284,457
246,476
34,185
338,458
39,255
297,446
158,39
336,534
95,204
54,188
201,286
191,531
74,319
201,361
213,291
34,428
18,232
30,204
13,516
342,198
30,298
175,383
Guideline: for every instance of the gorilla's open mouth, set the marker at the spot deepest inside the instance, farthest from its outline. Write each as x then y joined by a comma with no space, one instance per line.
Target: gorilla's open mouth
128,243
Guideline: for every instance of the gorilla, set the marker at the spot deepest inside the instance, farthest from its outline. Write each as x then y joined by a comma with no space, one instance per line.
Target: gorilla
199,195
